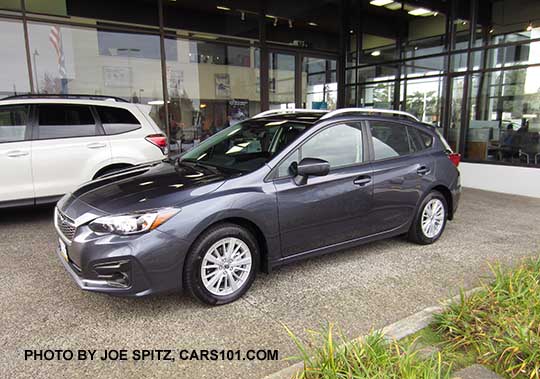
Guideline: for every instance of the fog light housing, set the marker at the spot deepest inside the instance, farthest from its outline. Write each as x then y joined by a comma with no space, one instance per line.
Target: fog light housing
116,273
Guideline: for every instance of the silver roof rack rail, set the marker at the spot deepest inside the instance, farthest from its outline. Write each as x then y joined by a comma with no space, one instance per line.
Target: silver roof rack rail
275,112
368,111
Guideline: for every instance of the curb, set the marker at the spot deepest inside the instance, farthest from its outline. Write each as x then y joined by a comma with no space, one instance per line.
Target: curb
396,331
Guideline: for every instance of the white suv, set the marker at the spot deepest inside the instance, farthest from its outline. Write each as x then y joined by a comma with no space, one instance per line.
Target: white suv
49,145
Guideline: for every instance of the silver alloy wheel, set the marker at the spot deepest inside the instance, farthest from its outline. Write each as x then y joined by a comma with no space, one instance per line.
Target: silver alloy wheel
433,218
226,266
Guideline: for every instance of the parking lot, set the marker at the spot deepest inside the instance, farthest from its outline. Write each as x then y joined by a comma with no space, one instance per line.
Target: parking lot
357,289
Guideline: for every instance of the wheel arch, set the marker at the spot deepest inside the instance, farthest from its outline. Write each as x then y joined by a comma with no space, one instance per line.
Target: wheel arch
445,191
253,228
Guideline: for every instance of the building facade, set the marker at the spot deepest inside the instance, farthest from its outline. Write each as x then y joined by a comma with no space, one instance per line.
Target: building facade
471,68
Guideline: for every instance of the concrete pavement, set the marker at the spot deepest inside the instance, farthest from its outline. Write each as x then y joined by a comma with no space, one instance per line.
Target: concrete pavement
367,287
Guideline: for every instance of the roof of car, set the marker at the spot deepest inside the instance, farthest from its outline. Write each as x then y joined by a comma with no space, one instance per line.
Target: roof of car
316,115
88,100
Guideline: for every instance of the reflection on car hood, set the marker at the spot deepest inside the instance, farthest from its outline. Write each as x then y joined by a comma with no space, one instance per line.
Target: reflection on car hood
156,185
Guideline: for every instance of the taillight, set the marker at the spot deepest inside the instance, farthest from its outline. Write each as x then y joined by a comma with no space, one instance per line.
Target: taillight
158,140
455,158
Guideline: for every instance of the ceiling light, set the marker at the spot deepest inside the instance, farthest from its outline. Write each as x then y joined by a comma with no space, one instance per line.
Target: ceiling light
376,53
435,13
311,23
380,3
351,31
275,21
223,8
394,6
420,12
530,27
290,23
491,30
242,15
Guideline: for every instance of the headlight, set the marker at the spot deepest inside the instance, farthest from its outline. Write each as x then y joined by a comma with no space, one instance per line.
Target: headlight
132,223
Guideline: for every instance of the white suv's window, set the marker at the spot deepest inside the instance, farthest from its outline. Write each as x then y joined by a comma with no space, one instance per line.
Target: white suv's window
65,121
13,123
117,120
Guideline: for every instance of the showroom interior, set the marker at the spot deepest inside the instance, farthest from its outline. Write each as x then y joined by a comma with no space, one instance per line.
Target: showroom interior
471,68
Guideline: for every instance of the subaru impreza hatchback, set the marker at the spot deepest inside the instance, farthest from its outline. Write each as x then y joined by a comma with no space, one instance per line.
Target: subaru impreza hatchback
282,186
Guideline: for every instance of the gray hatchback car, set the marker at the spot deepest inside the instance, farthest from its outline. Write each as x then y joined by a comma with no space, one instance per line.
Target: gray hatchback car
281,186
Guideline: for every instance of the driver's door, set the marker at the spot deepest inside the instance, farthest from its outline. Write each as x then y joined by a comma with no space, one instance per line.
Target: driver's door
328,209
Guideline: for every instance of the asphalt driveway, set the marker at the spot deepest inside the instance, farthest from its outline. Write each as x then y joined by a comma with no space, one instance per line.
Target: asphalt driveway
371,286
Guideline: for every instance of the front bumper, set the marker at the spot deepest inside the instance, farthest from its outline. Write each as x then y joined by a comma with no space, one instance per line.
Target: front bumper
135,265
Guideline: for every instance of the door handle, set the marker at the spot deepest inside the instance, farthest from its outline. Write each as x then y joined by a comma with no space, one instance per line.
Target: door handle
362,180
423,170
96,145
17,153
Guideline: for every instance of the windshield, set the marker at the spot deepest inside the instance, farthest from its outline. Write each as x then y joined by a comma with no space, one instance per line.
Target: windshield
246,146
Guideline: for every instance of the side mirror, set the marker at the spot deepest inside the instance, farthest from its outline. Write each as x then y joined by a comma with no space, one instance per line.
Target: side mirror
308,167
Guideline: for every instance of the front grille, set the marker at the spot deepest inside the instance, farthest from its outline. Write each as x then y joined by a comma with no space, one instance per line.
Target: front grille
65,226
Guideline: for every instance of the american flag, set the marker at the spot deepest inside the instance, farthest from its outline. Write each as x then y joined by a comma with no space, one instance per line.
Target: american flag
56,39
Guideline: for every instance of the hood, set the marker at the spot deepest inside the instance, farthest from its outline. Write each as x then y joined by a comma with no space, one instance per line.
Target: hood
162,184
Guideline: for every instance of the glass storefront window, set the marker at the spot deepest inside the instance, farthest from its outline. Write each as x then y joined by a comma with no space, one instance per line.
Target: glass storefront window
74,60
319,83
211,86
281,76
14,71
377,95
423,98
505,117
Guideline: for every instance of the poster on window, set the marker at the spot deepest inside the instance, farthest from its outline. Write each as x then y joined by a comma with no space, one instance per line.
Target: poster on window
116,76
237,110
223,85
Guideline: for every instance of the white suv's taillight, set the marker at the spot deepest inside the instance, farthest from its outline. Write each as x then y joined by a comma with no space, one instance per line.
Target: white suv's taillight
158,140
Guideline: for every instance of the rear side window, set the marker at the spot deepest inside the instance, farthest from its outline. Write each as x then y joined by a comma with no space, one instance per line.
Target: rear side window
117,120
420,140
13,123
65,121
390,139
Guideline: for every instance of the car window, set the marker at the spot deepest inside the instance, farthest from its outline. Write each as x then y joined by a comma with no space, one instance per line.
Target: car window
246,146
339,145
420,140
65,120
13,123
390,139
117,120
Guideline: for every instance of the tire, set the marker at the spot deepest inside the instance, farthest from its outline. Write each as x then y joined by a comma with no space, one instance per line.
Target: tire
434,201
236,273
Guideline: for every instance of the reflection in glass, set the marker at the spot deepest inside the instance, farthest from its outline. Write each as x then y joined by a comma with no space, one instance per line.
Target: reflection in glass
319,83
14,72
281,77
211,86
505,117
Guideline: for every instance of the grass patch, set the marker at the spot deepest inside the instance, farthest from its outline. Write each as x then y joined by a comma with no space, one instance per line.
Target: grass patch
498,326
330,356
500,323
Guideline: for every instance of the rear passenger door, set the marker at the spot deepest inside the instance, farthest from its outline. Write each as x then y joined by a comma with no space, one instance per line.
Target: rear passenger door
402,166
15,155
68,148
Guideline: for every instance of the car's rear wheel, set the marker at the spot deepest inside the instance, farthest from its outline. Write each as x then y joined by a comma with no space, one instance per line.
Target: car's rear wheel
430,219
221,265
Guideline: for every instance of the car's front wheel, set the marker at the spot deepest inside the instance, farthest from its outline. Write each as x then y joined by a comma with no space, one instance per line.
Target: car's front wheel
222,264
430,219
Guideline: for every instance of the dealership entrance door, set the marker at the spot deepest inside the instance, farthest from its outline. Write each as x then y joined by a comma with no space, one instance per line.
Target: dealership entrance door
301,80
